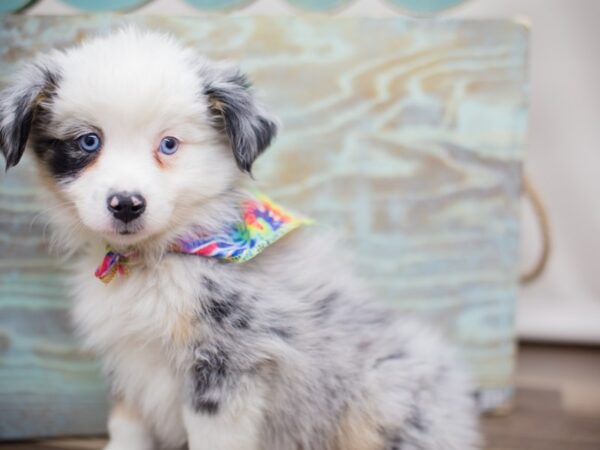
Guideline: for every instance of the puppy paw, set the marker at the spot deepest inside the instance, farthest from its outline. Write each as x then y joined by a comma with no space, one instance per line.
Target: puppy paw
127,431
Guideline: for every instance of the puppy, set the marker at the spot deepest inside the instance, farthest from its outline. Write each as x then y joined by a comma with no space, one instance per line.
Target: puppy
213,333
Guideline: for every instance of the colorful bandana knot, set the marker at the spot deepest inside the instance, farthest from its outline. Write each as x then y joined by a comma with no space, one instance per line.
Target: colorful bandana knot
112,264
264,223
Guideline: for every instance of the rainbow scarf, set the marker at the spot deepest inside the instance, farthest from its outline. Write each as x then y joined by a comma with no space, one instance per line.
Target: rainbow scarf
263,223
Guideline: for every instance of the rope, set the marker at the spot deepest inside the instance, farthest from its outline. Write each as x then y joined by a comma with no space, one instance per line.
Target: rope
539,210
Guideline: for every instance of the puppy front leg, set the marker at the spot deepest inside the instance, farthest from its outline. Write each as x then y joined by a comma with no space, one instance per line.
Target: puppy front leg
234,424
127,431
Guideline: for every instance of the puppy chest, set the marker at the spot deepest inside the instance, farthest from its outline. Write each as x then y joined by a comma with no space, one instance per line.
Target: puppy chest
146,306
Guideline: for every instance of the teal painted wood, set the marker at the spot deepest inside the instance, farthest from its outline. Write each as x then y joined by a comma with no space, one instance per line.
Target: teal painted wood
8,6
106,5
408,143
47,386
426,6
218,5
320,5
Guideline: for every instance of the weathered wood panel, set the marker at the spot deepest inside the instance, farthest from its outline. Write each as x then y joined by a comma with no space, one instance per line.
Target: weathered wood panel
406,136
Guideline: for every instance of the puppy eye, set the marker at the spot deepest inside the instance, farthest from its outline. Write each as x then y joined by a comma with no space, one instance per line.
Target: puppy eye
168,145
89,142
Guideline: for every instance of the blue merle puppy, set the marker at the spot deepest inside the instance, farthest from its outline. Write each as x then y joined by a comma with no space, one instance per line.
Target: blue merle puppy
146,147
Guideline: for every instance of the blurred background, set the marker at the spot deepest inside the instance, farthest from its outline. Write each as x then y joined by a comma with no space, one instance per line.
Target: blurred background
548,97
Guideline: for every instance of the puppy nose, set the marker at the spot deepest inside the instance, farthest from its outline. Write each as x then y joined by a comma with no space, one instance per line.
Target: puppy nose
125,206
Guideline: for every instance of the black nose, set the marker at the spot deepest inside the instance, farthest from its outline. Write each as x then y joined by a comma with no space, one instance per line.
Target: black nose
125,206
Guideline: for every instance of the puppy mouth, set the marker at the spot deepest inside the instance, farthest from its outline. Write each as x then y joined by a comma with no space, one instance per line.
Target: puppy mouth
127,228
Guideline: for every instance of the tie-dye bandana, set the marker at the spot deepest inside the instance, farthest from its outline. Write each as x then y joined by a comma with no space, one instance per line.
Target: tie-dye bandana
264,222
113,263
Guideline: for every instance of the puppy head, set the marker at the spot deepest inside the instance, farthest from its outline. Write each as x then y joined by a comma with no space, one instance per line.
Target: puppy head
133,131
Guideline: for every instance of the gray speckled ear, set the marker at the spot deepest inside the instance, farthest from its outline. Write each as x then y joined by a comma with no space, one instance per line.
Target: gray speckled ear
17,107
233,105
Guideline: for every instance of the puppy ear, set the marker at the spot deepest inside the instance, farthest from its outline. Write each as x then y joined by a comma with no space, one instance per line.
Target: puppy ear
18,103
233,106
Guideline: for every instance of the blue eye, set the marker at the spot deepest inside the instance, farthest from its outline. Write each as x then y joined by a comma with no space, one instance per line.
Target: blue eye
168,145
89,142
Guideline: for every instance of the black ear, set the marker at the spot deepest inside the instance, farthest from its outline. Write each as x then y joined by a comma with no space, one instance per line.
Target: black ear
18,103
234,109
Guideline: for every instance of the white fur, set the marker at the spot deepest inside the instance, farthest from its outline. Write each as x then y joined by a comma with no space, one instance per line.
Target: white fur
238,427
156,94
128,432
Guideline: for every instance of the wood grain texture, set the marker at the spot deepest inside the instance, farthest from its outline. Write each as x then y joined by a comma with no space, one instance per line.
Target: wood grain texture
404,136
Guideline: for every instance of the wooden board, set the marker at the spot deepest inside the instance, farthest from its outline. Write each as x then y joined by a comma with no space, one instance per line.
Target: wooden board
405,136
